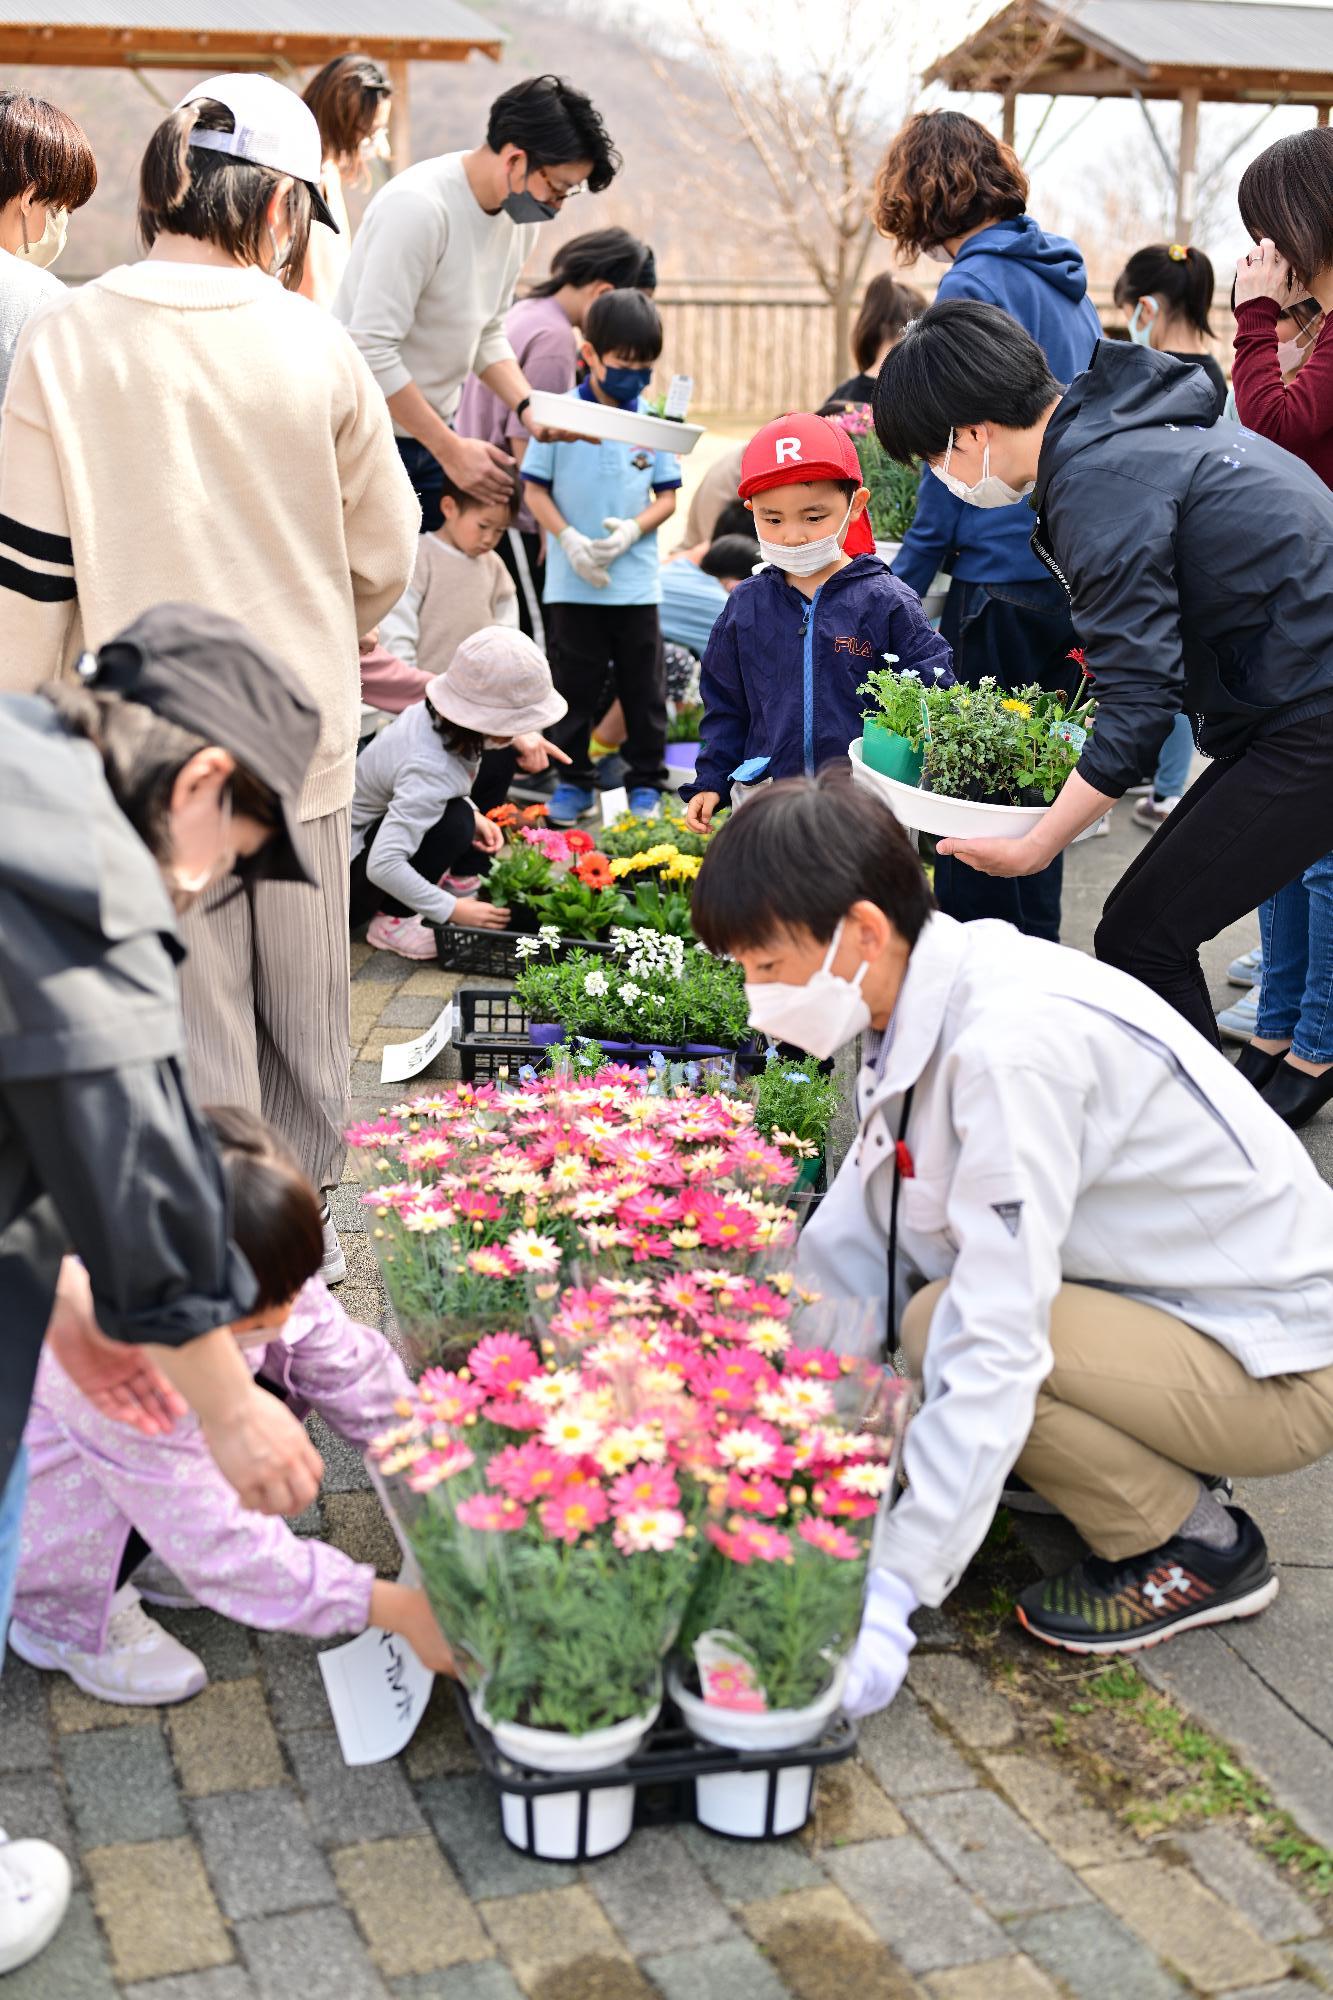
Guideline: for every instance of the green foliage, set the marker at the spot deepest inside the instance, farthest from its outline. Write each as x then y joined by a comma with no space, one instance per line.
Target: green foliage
579,911
687,723
628,835
986,742
518,873
899,702
789,1616
793,1097
892,487
657,906
654,991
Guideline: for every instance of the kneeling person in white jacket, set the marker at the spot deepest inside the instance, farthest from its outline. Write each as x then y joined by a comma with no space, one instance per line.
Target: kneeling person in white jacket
1108,1262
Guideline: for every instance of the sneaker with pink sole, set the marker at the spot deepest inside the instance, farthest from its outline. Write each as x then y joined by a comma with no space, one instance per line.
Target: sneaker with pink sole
407,936
461,885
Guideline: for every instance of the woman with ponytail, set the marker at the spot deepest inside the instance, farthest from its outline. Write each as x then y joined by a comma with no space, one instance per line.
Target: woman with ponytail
1166,294
188,428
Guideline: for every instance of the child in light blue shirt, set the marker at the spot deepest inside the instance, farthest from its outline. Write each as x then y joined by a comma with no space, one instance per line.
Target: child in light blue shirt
601,506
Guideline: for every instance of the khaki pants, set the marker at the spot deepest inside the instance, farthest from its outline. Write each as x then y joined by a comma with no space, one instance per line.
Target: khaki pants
1136,1405
267,997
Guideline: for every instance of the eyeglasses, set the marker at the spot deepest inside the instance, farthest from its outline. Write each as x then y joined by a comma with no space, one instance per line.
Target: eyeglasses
557,192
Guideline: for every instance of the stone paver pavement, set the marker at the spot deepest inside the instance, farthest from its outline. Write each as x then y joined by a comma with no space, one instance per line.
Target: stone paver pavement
224,1852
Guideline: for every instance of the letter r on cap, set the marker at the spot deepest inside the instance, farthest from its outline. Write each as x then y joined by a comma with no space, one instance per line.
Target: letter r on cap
788,451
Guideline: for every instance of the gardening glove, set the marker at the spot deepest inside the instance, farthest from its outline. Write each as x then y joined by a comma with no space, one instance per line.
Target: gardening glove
879,1660
578,552
622,535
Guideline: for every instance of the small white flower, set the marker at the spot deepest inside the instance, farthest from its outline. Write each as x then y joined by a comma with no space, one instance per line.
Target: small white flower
596,983
549,934
629,991
526,947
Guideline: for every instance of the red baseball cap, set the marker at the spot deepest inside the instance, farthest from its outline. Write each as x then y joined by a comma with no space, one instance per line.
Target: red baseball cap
793,451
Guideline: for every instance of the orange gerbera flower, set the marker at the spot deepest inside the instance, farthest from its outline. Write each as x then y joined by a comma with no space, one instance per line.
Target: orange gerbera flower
533,815
579,841
594,871
505,815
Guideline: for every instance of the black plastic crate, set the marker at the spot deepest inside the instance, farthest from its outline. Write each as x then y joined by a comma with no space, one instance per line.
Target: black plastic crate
492,954
492,1034
664,1772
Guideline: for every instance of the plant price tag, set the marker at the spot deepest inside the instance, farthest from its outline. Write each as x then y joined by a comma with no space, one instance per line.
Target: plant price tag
678,397
403,1059
377,1690
614,803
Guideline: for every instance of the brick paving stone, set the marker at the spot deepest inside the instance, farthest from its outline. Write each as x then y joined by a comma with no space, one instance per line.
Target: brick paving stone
440,1747
157,1909
383,968
744,1871
356,1524
1186,1925
122,1786
25,1728
308,1955
1315,1955
1226,1863
226,1648
850,1806
1002,1979
488,1981
733,1970
411,1010
350,1803
466,1817
656,1894
964,1700
408,1903
74,1965
1050,1801
289,1669
224,1982
915,1905
824,1949
32,1806
1092,1954
72,1709
223,1741
260,1855
995,1855
1286,1989
433,980
908,1754
550,1930
344,1467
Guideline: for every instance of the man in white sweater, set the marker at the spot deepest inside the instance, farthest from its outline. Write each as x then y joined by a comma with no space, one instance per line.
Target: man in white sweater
433,271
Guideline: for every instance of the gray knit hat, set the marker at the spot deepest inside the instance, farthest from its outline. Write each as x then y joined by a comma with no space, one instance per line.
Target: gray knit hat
497,684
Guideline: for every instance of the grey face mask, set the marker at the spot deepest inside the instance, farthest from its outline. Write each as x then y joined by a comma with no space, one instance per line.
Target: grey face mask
525,207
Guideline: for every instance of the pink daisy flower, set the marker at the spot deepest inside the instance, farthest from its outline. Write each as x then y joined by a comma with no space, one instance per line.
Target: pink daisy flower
381,1132
728,1228
755,1493
449,1396
819,1363
833,1541
502,1361
478,1207
644,1486
528,1471
655,1528
493,1513
514,1413
573,1512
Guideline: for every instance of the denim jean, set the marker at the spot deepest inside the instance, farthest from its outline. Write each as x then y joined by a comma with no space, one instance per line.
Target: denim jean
1173,765
1296,997
11,1521
427,477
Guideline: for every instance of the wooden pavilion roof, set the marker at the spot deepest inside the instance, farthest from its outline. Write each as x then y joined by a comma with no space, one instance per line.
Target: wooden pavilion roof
241,34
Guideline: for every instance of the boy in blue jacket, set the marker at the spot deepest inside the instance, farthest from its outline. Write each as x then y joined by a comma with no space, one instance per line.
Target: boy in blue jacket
780,677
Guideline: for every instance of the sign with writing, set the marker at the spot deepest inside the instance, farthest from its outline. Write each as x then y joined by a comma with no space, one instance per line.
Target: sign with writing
614,803
377,1690
678,397
403,1059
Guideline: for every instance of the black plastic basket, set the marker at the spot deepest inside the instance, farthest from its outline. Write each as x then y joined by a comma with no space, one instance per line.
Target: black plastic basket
492,954
491,1035
664,1772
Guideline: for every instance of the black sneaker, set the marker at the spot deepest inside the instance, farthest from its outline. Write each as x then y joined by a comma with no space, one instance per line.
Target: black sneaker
1120,1607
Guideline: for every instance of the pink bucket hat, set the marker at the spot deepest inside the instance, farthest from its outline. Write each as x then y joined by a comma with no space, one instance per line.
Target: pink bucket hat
497,684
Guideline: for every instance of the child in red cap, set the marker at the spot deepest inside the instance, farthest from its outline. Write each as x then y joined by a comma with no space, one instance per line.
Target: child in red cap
796,641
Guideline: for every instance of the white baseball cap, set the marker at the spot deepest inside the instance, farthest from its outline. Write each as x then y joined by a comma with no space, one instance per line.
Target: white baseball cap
273,128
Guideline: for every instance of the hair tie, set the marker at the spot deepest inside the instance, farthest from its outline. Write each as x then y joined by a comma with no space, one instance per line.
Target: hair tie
1177,252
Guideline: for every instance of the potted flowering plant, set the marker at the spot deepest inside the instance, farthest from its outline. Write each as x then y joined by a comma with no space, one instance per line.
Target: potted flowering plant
628,835
794,1108
553,879
895,730
653,993
553,1513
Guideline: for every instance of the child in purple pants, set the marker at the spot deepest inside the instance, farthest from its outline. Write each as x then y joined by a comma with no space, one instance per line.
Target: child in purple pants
92,1481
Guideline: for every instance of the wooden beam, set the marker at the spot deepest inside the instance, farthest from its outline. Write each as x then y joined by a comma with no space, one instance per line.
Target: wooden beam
1321,115
82,48
1187,170
1009,115
400,115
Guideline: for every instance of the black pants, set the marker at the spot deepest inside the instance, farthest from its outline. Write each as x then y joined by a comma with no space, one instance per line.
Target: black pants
1020,633
584,643
1246,829
446,850
523,556
427,477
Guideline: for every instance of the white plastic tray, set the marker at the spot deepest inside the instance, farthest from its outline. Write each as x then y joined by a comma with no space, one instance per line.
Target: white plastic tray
606,420
935,812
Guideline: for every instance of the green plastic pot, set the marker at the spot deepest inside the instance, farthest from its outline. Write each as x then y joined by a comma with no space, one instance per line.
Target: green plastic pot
883,750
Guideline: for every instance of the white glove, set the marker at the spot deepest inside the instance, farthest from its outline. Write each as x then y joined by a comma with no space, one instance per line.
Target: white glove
623,535
879,1661
580,554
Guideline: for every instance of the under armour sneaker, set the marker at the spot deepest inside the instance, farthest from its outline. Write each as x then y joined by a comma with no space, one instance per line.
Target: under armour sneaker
140,1665
1121,1607
35,1883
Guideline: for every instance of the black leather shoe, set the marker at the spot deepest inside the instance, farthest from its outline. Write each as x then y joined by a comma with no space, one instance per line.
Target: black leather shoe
1295,1096
1257,1066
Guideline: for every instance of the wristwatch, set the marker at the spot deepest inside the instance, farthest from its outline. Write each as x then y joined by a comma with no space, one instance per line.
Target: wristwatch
520,407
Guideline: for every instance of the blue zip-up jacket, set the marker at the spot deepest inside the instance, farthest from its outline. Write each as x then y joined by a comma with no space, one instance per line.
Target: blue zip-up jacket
780,677
1041,281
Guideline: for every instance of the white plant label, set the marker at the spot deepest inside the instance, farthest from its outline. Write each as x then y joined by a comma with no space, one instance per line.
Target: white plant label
678,397
403,1059
377,1691
614,803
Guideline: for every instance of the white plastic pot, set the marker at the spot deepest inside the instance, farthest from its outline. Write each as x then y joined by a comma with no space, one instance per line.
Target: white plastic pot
736,1802
938,813
555,1817
609,421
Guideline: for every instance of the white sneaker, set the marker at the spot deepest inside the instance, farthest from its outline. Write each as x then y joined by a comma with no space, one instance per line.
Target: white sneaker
141,1665
407,936
1248,969
334,1267
1240,1021
157,1584
34,1894
1152,810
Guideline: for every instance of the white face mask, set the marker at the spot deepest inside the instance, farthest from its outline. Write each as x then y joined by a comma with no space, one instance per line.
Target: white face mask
52,239
185,889
989,491
808,558
819,1016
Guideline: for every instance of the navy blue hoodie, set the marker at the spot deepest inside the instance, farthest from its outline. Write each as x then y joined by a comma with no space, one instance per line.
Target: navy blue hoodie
1041,281
780,677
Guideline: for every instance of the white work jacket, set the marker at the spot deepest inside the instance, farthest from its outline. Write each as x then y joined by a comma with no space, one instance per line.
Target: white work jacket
1066,1125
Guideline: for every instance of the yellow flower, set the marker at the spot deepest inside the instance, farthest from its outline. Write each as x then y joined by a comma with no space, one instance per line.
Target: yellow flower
683,868
1016,707
622,865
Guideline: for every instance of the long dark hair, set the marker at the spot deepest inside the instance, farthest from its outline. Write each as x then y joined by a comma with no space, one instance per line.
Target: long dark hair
274,1216
345,97
610,254
885,310
213,197
1287,195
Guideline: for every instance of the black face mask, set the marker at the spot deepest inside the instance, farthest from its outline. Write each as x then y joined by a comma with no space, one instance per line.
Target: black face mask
525,207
